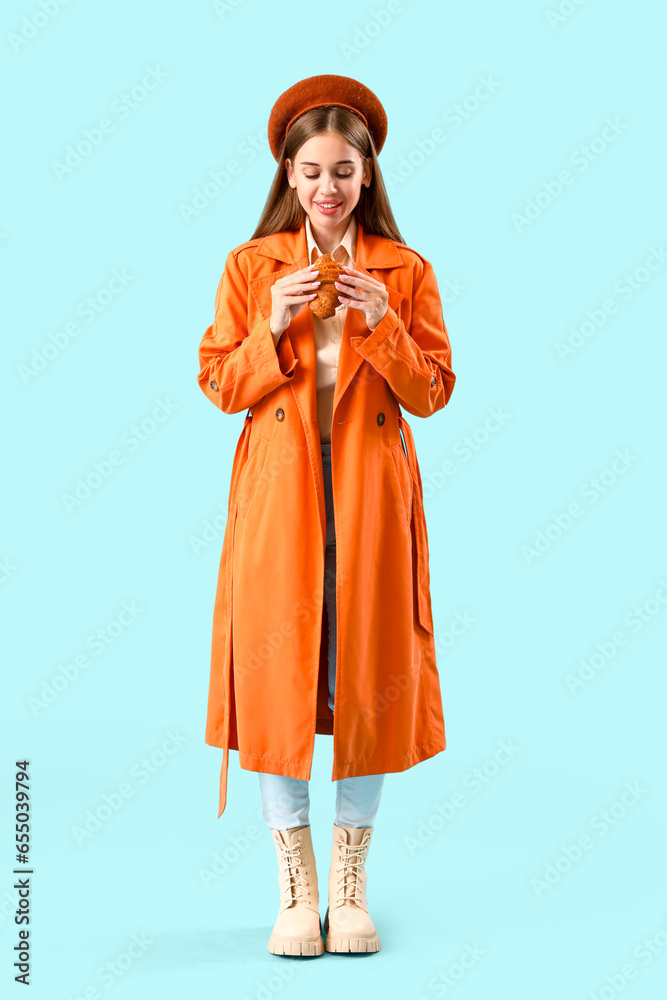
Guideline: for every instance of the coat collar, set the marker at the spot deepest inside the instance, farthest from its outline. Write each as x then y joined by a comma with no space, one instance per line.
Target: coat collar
291,248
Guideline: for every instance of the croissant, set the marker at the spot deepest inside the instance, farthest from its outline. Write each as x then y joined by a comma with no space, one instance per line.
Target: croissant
324,306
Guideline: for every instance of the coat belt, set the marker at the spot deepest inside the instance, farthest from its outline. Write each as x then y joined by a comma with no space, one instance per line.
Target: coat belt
223,781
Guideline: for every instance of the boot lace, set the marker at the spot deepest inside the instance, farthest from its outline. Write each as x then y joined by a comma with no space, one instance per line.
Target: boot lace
353,859
293,860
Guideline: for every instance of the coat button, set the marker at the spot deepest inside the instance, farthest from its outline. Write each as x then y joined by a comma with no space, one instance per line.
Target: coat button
214,385
380,419
433,380
280,414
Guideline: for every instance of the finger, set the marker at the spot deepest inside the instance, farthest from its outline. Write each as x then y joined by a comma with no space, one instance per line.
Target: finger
301,275
354,273
347,297
349,290
298,286
362,282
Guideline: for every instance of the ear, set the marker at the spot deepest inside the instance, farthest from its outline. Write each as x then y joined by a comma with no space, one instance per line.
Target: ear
368,171
290,172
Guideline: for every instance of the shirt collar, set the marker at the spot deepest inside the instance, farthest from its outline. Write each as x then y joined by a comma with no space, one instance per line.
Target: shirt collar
346,246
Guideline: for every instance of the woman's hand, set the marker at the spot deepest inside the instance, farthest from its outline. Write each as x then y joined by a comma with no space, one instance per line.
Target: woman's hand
370,296
288,294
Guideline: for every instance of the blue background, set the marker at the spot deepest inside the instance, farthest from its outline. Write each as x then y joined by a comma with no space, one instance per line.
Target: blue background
497,874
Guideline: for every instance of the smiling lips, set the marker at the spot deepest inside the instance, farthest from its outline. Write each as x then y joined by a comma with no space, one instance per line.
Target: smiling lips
325,207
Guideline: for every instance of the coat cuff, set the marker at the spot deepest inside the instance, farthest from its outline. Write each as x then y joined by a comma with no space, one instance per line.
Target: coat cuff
285,353
370,345
278,360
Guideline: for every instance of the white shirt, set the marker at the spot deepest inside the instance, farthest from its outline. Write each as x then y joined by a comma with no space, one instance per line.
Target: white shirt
329,332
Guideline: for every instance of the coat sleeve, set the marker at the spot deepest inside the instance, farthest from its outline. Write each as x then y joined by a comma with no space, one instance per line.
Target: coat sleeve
238,367
416,362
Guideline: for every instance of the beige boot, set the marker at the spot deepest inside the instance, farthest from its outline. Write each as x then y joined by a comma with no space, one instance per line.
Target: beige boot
298,929
347,924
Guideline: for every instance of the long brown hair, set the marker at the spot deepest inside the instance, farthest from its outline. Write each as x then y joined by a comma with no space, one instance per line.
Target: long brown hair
284,212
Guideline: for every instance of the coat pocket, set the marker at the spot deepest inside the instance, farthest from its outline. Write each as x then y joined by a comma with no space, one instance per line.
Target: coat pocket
419,533
238,465
423,581
251,474
404,478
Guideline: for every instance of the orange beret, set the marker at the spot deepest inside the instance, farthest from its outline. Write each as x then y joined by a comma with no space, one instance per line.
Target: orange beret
318,91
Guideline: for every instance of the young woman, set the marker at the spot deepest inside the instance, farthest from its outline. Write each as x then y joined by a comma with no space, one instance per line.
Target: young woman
322,619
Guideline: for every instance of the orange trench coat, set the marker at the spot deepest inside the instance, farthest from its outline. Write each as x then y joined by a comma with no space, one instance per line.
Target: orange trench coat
268,685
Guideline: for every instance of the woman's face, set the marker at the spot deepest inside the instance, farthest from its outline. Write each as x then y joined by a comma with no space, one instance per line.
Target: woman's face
327,170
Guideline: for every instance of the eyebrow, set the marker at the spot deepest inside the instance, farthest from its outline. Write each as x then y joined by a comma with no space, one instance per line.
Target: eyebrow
309,163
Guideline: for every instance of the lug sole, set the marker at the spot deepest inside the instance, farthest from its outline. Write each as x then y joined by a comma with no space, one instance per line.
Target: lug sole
281,944
338,943
351,945
295,946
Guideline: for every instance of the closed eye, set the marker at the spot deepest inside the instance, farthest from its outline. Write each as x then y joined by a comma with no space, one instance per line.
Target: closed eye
313,176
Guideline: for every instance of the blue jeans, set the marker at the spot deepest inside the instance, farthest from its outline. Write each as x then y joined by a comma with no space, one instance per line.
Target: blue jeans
285,801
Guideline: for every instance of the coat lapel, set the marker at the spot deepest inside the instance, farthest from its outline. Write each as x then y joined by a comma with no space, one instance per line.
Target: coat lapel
373,254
